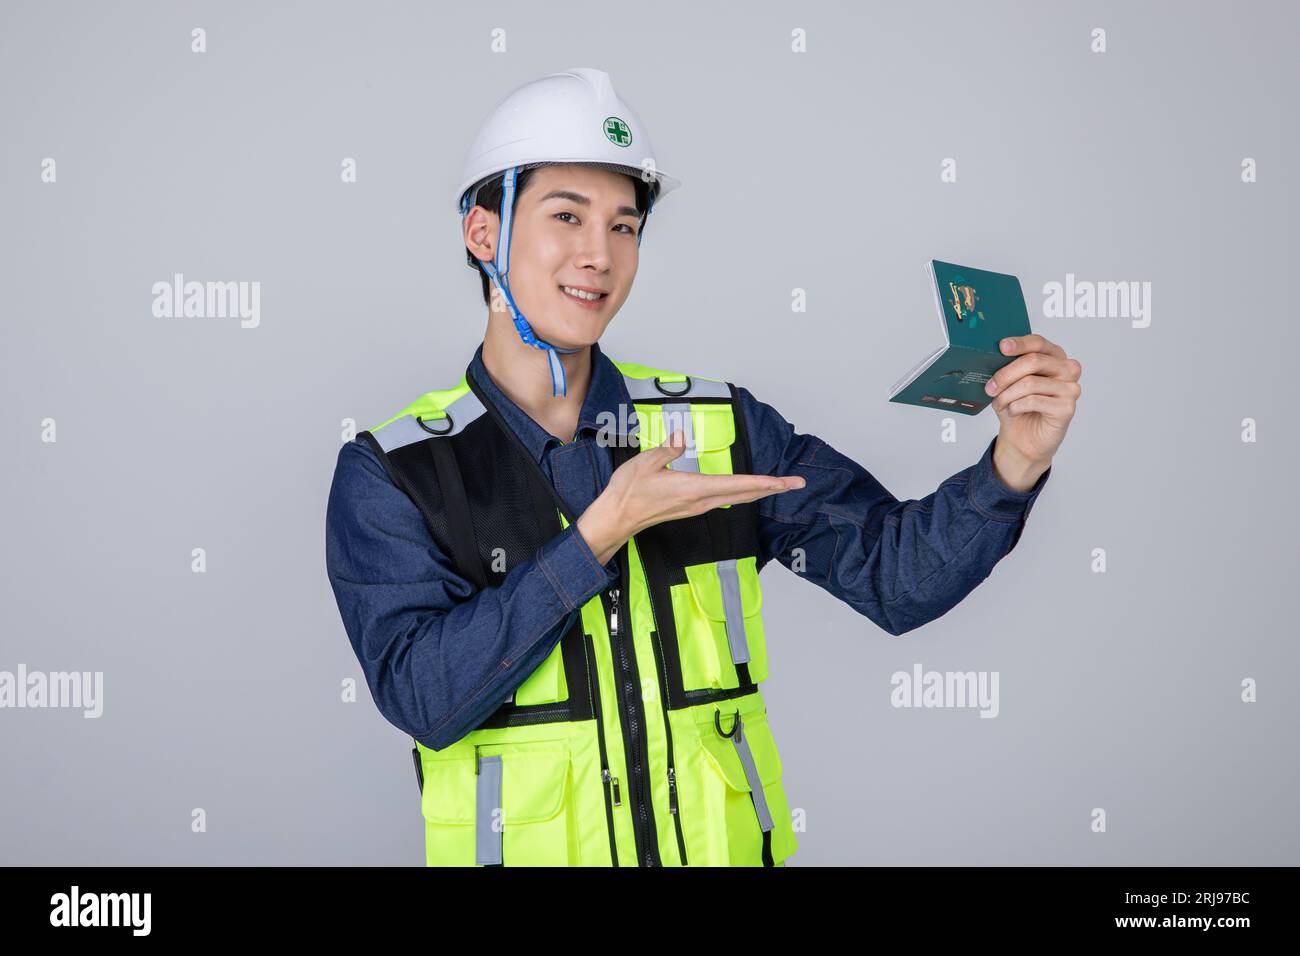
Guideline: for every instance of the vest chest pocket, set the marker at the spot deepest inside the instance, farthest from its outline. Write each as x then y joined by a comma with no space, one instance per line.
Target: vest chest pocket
710,432
514,811
719,622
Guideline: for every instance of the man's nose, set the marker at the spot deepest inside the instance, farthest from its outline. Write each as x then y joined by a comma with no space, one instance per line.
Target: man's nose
594,249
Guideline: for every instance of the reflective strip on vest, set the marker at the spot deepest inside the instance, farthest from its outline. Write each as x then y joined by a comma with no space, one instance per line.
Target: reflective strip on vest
639,389
487,841
734,611
751,774
406,430
675,415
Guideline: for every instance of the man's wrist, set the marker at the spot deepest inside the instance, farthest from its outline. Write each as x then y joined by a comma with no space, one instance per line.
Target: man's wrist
602,531
1016,472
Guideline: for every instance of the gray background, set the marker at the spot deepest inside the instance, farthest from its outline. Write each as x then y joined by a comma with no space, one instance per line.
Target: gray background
816,170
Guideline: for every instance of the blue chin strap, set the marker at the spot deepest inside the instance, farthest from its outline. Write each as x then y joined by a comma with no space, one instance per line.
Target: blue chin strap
497,273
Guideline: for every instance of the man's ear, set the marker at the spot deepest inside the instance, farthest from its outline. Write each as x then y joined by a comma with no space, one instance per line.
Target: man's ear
481,229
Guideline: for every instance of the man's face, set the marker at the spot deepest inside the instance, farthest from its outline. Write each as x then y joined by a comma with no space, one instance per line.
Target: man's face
575,227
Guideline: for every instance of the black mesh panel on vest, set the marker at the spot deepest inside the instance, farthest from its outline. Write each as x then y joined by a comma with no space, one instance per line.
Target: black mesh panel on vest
495,515
511,521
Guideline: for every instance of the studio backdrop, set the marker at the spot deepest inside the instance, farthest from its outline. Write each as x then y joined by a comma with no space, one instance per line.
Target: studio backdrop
165,480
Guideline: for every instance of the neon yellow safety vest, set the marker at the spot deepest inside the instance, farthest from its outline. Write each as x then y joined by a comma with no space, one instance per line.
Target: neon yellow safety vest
643,739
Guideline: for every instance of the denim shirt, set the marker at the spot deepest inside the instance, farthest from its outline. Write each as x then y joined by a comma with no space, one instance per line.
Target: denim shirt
439,657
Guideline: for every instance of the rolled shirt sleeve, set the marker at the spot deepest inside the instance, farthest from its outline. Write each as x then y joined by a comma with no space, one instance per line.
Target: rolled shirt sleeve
900,563
438,655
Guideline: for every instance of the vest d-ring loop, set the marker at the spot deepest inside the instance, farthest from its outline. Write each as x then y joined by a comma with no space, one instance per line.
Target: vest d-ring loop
673,394
420,421
717,722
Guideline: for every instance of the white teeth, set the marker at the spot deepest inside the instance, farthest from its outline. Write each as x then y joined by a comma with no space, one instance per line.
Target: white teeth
578,293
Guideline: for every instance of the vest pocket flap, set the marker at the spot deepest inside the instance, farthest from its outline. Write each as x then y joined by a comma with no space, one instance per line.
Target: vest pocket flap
706,587
712,426
722,754
726,757
533,786
448,791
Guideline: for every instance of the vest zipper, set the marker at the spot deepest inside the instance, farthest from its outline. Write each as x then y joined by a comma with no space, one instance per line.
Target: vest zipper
594,680
672,771
662,669
633,736
605,775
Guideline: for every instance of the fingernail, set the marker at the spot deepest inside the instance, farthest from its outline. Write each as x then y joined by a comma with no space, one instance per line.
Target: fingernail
991,387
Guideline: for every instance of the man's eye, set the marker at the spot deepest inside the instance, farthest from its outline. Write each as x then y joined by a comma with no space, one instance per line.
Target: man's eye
630,230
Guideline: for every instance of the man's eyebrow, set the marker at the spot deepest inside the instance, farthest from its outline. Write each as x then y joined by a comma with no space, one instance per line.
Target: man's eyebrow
582,200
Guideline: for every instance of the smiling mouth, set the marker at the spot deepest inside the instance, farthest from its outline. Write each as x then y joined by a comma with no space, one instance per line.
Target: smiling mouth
590,300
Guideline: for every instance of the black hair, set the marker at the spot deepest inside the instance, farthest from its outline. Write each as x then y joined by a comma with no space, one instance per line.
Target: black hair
489,197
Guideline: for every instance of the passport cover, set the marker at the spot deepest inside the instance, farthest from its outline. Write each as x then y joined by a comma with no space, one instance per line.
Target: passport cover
978,309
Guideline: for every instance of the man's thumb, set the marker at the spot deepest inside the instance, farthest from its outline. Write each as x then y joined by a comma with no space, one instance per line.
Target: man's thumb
675,446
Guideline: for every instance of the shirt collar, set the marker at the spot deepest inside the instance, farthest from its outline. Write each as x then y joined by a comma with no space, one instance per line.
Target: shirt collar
606,392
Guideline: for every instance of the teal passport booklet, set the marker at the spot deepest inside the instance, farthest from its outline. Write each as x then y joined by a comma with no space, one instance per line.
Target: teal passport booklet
978,310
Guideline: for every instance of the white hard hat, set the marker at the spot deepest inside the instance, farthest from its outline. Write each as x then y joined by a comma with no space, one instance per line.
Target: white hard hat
569,117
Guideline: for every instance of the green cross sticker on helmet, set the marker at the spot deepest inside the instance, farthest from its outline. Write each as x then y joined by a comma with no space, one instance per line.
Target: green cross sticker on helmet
617,132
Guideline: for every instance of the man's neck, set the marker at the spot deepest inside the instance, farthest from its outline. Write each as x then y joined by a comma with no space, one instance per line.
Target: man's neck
523,373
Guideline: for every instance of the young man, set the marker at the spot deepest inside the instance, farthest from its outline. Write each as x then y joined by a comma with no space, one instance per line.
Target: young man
549,570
